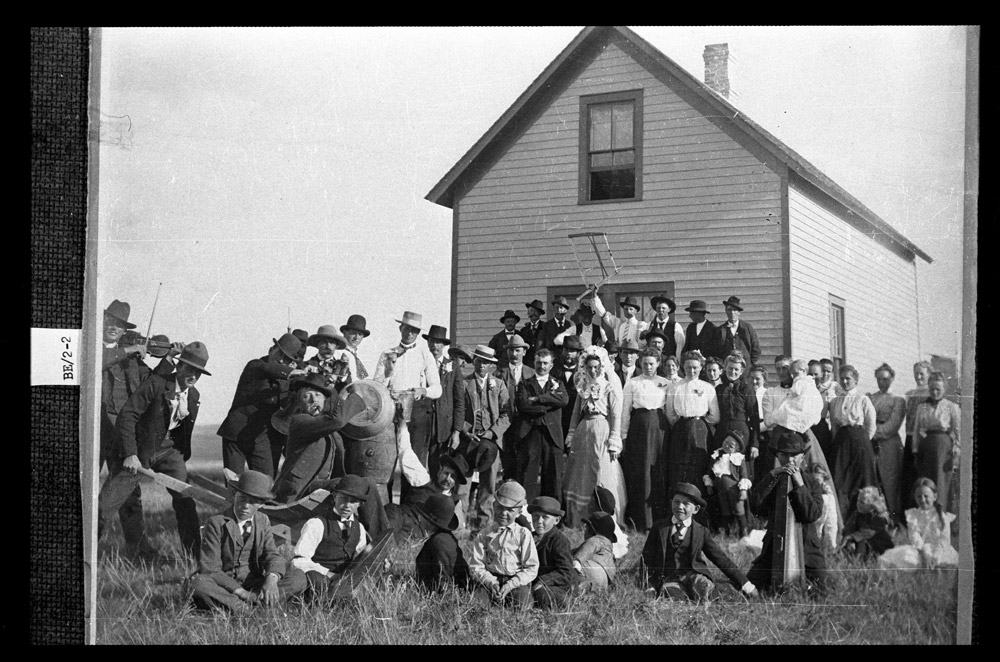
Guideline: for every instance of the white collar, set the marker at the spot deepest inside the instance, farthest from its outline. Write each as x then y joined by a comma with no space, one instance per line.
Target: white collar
110,345
685,524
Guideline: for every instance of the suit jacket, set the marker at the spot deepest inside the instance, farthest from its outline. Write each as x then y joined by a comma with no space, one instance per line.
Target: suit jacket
555,560
257,397
620,371
550,330
658,558
497,418
430,422
547,411
530,336
504,374
707,341
221,539
143,421
499,344
745,341
117,366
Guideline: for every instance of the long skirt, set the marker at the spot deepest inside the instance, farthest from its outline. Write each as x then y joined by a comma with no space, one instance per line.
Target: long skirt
583,467
823,435
641,462
889,460
934,461
689,459
853,466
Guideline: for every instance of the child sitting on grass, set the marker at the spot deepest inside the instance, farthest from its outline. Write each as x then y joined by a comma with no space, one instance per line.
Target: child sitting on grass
440,561
928,530
504,559
594,559
675,550
556,575
866,531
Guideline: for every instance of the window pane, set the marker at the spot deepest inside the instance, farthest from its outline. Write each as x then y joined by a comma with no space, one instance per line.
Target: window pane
626,157
622,133
600,128
603,159
612,184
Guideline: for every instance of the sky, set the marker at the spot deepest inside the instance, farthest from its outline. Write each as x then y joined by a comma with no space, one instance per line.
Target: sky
275,176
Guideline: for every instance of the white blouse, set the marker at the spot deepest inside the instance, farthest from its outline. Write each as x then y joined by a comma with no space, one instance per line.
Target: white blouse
692,398
642,393
853,408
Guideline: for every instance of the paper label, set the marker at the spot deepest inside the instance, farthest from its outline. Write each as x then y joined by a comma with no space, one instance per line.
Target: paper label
55,357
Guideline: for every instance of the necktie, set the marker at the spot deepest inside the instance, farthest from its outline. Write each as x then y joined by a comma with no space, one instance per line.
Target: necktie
362,373
345,528
675,537
246,531
628,330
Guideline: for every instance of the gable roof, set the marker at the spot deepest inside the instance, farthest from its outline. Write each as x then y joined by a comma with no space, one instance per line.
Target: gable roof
507,125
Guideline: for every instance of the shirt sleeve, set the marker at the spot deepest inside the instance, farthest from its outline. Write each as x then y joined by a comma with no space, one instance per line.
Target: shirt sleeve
614,416
626,409
309,539
713,416
431,375
477,566
528,557
868,410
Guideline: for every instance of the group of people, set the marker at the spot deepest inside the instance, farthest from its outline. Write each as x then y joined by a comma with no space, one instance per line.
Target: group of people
571,424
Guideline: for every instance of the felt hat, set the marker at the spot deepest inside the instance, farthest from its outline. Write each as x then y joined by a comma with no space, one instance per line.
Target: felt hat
738,436
629,346
630,301
485,353
302,335
461,350
788,441
352,486
327,332
688,490
603,524
195,354
585,309
612,346
357,323
289,345
510,494
416,320
537,305
697,306
547,505
438,334
573,342
603,499
654,333
159,346
481,453
510,313
457,464
657,300
733,302
560,301
439,510
312,380
120,311
254,484
518,341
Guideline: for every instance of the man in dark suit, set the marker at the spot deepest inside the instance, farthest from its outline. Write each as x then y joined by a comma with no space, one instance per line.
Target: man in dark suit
555,326
532,329
673,333
674,549
540,447
701,334
430,421
738,334
154,431
499,342
248,438
511,375
565,371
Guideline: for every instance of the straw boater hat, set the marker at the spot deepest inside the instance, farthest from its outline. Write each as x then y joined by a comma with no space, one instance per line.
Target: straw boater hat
327,332
630,301
510,313
510,494
485,353
690,491
733,302
439,510
289,345
195,354
547,505
416,320
254,484
518,341
461,350
437,334
120,311
655,301
352,486
357,323
698,306
603,524
537,305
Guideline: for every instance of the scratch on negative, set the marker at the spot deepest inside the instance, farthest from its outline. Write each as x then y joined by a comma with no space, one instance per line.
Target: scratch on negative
210,301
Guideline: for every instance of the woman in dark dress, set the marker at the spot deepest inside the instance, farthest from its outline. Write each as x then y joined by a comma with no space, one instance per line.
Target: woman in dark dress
852,423
737,406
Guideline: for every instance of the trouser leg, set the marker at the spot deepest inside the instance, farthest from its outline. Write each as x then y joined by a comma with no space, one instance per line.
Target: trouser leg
484,497
529,460
113,497
697,586
548,597
553,463
209,595
233,457
171,463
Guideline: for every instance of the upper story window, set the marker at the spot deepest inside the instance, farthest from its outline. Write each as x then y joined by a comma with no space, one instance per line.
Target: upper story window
611,147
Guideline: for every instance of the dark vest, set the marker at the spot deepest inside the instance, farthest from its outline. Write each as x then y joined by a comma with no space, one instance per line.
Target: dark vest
243,554
595,332
674,556
334,552
670,344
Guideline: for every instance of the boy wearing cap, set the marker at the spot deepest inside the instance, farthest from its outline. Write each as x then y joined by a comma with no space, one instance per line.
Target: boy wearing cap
556,574
248,438
788,487
440,561
239,563
504,559
154,432
676,548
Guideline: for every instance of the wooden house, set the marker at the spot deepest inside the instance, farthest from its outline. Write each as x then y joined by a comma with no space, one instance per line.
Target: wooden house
698,202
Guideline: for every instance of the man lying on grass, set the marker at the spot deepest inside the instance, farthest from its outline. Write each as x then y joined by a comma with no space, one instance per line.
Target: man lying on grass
239,564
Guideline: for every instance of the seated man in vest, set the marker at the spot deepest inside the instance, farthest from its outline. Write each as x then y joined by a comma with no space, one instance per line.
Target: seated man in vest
329,543
239,564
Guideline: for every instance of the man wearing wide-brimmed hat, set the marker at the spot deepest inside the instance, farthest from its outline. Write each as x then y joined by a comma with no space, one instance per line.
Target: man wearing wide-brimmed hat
451,476
673,333
248,438
430,421
410,372
239,563
328,343
555,326
481,420
585,330
738,334
154,431
626,367
440,562
501,339
354,332
532,329
701,334
626,327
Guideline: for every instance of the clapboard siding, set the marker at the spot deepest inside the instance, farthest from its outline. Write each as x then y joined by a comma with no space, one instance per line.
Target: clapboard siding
830,256
708,220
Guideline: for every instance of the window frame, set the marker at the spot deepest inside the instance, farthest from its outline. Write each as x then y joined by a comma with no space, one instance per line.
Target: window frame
838,354
586,101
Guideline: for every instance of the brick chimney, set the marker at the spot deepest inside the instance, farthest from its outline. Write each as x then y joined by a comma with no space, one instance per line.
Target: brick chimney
717,68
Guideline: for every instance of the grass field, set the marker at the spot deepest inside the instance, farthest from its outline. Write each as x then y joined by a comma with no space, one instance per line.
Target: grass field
148,603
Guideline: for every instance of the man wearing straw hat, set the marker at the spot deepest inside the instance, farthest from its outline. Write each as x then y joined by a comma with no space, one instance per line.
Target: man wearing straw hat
154,431
248,438
239,563
410,373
